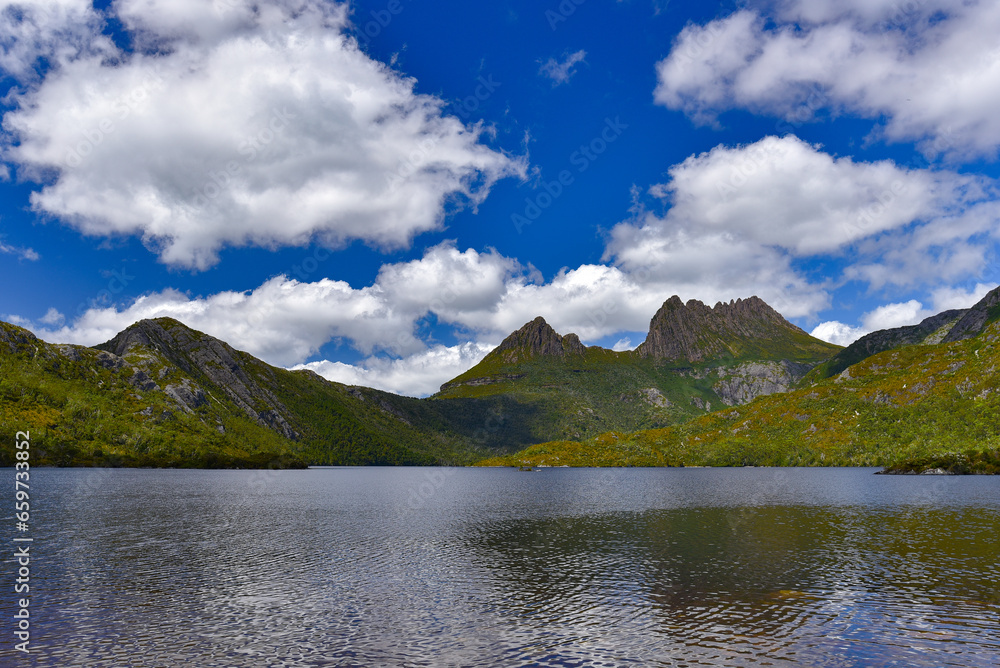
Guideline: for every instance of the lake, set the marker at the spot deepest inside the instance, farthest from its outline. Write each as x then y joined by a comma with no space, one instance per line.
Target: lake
496,567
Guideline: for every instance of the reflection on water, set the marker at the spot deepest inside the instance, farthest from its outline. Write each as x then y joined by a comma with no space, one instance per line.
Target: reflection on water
430,567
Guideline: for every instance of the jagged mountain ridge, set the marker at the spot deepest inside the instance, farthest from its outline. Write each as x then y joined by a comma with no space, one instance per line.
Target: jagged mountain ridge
696,333
694,358
161,393
920,406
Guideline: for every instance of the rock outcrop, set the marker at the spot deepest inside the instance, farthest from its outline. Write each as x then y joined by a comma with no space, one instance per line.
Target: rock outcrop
214,363
975,319
696,333
537,338
745,382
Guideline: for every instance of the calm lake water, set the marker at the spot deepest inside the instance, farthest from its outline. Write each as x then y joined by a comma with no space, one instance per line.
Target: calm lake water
495,567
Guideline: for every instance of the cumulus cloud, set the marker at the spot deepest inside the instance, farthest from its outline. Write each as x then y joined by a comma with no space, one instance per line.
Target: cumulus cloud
269,126
901,314
740,218
53,317
53,30
560,71
837,333
623,344
930,69
947,298
417,375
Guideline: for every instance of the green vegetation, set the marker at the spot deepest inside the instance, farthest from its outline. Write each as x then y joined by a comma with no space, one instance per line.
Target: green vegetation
904,405
162,394
580,392
89,407
958,463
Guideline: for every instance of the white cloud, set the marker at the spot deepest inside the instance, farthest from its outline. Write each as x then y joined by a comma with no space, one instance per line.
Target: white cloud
560,71
887,316
624,344
22,253
269,127
53,317
947,298
56,30
740,218
418,375
891,316
931,69
837,333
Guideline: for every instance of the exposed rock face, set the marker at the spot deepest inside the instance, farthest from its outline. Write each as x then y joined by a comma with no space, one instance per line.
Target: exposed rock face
745,382
187,394
535,339
975,319
538,338
694,333
205,357
654,397
16,339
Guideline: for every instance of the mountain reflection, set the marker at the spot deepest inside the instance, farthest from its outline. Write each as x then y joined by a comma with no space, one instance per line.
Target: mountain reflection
781,583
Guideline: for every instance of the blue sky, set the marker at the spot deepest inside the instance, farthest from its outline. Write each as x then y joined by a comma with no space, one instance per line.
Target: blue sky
382,190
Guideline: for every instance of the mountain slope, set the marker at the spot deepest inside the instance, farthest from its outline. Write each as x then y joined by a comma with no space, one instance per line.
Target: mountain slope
945,327
745,329
163,394
694,357
915,403
160,393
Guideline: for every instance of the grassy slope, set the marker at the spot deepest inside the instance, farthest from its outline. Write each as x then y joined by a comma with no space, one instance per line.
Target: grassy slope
79,412
581,396
578,396
914,402
82,412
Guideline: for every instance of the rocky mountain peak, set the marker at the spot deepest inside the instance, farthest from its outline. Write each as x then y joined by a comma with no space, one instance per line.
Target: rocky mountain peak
537,338
694,332
213,363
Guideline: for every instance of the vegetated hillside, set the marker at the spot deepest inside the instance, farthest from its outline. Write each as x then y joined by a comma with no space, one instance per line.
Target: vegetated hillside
946,327
929,405
694,358
162,394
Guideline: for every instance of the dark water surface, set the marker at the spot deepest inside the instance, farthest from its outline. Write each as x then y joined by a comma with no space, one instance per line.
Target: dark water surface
484,567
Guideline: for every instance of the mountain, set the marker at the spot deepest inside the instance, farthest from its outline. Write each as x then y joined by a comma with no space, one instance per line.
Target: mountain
160,393
945,327
920,405
163,394
694,357
742,329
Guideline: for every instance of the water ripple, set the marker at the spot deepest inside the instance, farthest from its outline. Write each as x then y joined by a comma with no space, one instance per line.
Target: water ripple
349,567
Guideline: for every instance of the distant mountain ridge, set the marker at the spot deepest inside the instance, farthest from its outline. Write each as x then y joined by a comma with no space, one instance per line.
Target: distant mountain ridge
925,403
945,327
694,357
162,394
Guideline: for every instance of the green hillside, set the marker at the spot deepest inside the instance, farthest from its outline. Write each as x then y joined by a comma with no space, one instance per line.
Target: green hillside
177,397
926,402
693,361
